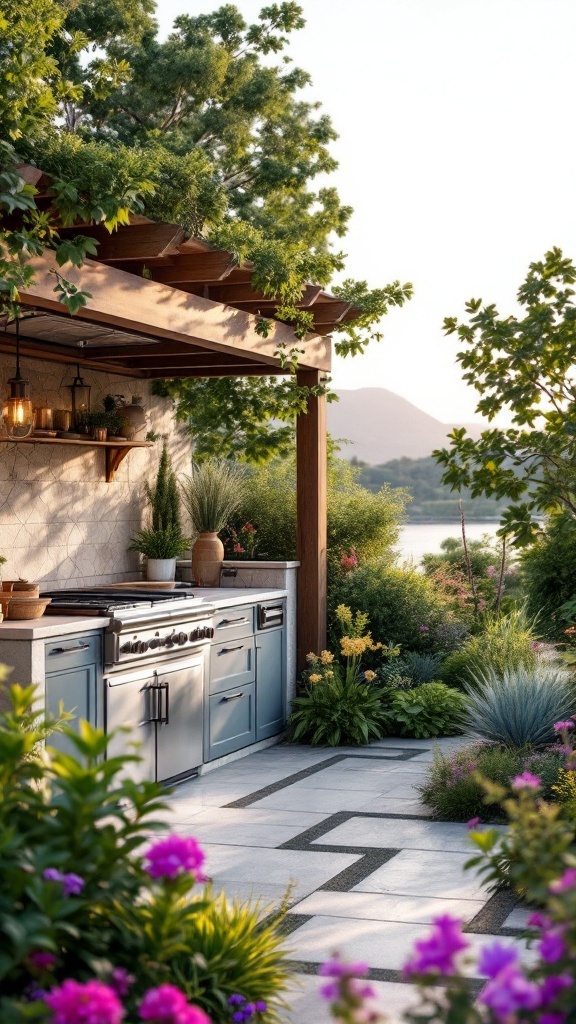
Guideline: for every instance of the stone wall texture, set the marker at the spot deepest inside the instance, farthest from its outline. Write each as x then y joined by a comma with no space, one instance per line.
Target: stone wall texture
61,524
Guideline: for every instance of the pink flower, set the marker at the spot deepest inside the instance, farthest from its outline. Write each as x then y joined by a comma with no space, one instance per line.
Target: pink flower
423,629
473,823
168,1005
89,1002
564,883
168,857
437,952
508,992
238,549
560,726
526,781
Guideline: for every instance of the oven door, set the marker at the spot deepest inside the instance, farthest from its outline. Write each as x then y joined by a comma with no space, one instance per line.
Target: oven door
131,715
180,715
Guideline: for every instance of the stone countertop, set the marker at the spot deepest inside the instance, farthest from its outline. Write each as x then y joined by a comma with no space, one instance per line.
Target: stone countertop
228,597
50,625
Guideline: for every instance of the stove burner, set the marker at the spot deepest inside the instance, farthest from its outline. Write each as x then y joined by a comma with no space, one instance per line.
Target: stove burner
108,600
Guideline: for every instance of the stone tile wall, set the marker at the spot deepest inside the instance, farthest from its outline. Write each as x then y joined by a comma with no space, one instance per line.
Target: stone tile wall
60,522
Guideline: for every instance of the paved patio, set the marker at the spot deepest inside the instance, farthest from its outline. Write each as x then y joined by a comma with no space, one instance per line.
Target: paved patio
345,829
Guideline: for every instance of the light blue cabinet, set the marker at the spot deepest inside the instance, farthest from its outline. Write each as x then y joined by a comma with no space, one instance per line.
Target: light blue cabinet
73,678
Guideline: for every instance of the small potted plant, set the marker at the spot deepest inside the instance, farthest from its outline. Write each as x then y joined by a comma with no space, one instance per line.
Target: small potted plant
211,495
163,540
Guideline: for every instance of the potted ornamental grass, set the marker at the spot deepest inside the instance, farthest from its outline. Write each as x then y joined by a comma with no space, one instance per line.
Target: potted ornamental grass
211,495
163,540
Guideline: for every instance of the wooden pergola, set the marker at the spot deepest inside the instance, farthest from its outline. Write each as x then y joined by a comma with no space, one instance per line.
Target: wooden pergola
163,306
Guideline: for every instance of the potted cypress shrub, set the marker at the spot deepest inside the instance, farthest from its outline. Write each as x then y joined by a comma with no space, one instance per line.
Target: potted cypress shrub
163,541
211,495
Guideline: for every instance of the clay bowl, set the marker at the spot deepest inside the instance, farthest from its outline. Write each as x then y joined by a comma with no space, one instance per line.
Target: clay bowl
17,607
21,587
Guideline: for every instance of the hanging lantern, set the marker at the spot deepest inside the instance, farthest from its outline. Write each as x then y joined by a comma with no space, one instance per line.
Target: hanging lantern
80,392
17,412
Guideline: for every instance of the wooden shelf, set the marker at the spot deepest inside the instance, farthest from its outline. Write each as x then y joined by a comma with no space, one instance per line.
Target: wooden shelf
116,451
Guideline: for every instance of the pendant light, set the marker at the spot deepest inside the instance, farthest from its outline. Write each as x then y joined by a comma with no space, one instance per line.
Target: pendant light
17,412
80,392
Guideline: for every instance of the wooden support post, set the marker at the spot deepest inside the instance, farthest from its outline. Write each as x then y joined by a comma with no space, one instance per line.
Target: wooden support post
311,473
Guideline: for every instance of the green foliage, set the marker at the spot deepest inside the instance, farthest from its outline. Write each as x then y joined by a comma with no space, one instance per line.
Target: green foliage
398,601
519,706
212,494
453,787
338,711
83,814
549,574
524,366
485,557
419,667
431,501
505,642
166,543
164,497
431,709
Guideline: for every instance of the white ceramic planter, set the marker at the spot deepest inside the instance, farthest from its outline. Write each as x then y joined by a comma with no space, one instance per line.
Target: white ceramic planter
160,570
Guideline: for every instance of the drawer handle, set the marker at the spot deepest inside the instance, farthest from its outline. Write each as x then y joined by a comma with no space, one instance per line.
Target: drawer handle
231,622
227,650
68,650
233,696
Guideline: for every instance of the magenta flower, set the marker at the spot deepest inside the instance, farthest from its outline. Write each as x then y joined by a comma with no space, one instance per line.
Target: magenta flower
337,968
175,854
473,823
553,985
42,961
538,920
495,958
121,981
508,992
552,946
72,885
89,1002
564,883
560,726
526,781
437,952
552,1018
168,1005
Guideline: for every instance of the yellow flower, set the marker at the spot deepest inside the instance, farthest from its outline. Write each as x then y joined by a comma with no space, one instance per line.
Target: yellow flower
369,675
352,646
312,658
326,657
314,678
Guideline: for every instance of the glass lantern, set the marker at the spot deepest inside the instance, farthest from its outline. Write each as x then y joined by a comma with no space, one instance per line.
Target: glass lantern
17,411
80,392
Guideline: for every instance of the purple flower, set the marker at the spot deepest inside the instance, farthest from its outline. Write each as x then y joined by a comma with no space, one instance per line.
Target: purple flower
89,1002
560,726
473,823
437,952
552,946
42,961
526,781
495,958
564,883
168,857
72,884
236,999
553,985
423,629
509,992
121,981
336,968
168,1005
552,1018
538,920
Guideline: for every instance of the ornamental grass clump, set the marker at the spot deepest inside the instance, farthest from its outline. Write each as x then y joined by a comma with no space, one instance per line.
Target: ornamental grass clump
519,706
100,922
505,642
212,494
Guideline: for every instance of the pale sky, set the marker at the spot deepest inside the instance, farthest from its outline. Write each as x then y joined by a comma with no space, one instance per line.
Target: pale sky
457,151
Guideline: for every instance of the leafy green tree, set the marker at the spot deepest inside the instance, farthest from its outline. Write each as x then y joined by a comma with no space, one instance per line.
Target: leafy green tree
205,129
524,365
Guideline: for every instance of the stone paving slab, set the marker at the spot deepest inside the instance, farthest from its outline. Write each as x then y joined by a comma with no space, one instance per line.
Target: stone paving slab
372,907
253,865
306,1005
327,800
407,835
425,873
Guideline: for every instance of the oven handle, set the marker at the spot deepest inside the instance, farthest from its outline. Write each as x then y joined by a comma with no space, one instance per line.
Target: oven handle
163,719
153,691
228,650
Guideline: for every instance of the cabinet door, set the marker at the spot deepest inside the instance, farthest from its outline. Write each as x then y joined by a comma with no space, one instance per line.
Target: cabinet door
77,690
270,661
131,704
231,721
179,728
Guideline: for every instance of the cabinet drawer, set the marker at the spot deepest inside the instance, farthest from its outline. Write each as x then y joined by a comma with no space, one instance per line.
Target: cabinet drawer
233,623
231,664
73,652
231,721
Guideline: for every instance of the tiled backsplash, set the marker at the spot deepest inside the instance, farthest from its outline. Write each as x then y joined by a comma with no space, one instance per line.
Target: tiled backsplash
60,522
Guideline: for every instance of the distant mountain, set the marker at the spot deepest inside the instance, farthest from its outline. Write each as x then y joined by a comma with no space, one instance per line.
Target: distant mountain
375,426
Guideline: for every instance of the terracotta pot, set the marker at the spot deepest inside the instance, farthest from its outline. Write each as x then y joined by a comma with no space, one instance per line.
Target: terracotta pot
133,418
207,558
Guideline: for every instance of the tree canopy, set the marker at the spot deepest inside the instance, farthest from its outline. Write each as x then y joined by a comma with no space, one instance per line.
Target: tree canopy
208,129
526,366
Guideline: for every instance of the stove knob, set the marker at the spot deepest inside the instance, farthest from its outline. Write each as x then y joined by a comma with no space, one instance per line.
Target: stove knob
169,639
135,646
126,648
210,632
154,643
182,638
144,645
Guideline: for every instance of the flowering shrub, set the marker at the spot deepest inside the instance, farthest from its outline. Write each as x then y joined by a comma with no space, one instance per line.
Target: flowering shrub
99,925
241,542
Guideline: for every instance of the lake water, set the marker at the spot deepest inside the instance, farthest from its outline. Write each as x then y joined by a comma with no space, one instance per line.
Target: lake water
417,539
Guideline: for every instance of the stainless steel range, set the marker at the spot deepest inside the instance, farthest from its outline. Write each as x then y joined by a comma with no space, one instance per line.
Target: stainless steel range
156,649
